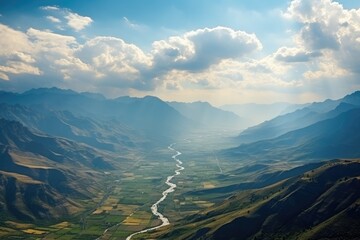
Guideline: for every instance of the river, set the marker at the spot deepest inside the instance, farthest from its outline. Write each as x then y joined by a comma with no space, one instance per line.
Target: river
154,208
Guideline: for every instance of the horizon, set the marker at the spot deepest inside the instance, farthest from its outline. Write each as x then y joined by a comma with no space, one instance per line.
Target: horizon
184,51
173,101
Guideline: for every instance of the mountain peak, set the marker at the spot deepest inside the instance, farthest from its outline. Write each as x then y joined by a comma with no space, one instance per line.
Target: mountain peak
353,98
53,90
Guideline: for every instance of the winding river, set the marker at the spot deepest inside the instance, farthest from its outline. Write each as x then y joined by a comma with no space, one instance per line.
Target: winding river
154,208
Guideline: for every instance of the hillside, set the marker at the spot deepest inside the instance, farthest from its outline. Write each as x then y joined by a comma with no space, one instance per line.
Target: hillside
40,174
99,134
255,114
318,204
337,137
149,115
299,119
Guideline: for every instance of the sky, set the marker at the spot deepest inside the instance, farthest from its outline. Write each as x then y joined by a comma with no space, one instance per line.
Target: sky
223,52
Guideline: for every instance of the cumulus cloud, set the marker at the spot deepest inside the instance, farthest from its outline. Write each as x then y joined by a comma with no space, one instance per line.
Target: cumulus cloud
116,61
15,53
286,54
316,37
327,26
73,20
13,41
77,22
325,47
197,50
19,68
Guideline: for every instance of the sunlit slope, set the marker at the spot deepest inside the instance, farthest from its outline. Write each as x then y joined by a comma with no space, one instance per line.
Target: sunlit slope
322,203
42,175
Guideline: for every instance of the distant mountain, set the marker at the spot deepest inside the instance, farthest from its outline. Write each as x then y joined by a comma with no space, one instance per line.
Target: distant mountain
39,175
16,137
336,137
104,135
253,113
320,204
208,115
149,115
152,115
301,118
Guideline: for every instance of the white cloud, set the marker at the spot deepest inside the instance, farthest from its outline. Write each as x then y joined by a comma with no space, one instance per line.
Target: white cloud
13,41
19,68
77,22
197,50
53,19
286,54
326,25
51,43
73,20
324,52
50,8
116,62
15,53
3,76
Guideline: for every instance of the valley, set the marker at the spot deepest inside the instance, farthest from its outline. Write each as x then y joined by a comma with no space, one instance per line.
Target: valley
123,207
179,120
70,172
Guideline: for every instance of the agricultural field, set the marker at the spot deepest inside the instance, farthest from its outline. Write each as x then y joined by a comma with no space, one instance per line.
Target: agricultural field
123,205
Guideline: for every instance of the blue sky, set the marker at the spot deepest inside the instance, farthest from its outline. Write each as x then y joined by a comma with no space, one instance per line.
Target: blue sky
219,51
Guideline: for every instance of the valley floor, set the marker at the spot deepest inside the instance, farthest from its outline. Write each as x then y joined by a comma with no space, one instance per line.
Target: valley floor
123,205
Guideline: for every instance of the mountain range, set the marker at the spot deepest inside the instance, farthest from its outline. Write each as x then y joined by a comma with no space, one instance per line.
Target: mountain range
300,118
329,129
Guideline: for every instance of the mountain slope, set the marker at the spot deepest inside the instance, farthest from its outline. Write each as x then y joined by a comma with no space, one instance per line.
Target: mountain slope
337,137
299,119
319,204
207,115
39,175
149,115
152,115
255,114
65,124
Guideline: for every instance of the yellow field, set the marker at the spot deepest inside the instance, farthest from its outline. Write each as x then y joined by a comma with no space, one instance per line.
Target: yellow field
138,218
208,185
204,204
111,204
61,225
34,231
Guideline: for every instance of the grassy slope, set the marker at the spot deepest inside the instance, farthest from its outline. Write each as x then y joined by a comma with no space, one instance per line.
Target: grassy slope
318,204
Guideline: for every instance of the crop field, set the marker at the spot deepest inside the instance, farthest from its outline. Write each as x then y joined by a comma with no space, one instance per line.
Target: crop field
123,207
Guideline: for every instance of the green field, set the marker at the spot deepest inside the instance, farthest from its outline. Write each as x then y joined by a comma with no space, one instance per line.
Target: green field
123,204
